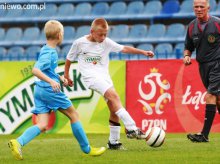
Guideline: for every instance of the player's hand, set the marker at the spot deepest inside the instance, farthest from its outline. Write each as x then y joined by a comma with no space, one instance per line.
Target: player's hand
55,85
187,60
64,81
70,82
149,54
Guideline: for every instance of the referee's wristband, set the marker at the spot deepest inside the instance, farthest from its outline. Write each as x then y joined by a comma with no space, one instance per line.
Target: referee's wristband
186,55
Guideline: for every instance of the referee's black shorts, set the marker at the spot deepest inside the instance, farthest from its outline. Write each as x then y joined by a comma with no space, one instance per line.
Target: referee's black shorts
210,75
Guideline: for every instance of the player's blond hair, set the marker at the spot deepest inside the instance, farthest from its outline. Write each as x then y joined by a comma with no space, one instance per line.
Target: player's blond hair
99,23
52,29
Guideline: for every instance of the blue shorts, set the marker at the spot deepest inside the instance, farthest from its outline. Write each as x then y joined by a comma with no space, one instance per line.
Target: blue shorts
46,99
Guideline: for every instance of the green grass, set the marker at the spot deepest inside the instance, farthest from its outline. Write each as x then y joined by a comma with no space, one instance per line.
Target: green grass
63,149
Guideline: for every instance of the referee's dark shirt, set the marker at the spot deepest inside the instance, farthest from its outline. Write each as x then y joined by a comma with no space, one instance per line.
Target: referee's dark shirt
206,42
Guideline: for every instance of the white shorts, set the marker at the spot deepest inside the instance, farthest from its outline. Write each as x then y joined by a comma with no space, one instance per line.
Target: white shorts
99,83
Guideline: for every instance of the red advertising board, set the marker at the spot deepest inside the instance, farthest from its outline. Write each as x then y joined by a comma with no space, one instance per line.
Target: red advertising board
168,94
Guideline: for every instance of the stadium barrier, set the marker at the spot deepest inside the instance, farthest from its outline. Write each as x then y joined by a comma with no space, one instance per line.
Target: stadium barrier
161,93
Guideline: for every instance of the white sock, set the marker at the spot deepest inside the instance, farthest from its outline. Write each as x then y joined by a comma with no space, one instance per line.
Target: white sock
126,119
114,134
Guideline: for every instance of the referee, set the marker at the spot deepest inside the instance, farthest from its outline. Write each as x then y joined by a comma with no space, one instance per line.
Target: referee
203,35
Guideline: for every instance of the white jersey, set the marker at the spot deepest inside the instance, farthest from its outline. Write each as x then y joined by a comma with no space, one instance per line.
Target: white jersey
93,57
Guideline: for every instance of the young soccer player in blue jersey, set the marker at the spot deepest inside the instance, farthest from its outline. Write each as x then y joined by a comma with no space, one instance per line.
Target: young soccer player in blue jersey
48,96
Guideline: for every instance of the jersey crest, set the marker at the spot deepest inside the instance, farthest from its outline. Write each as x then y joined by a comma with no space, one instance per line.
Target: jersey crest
211,39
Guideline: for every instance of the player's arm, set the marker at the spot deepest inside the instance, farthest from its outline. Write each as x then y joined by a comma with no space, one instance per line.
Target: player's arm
66,72
187,57
71,56
64,80
132,50
189,47
38,73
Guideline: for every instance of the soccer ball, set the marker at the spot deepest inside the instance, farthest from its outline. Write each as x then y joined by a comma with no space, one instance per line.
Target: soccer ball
155,136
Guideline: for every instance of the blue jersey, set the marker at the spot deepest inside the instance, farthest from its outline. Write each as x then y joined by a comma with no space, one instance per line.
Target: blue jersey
44,97
47,63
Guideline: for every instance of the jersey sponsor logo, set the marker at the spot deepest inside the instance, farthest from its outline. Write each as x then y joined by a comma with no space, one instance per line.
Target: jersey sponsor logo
211,39
93,59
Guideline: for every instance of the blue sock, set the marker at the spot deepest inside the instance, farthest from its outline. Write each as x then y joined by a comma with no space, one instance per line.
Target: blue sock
28,135
81,137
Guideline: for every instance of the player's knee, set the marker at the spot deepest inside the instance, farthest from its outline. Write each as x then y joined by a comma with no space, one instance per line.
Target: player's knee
74,116
210,99
43,126
114,97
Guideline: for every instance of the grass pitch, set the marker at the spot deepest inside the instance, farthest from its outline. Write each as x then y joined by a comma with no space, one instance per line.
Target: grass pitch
57,148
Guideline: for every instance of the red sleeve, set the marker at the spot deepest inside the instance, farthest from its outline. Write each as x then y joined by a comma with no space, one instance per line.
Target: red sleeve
218,27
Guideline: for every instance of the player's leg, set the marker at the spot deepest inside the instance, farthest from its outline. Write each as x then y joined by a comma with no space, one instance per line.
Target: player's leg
42,112
210,75
100,84
79,133
116,107
115,128
60,101
28,135
33,131
104,85
210,112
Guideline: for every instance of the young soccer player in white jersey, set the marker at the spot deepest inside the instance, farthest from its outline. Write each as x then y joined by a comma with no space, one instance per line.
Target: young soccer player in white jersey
92,52
48,96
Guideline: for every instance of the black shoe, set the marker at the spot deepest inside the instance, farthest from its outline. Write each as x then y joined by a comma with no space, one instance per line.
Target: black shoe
197,138
115,146
138,134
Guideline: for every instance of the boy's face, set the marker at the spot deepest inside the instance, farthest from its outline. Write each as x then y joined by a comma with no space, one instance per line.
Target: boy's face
99,35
